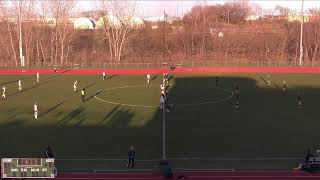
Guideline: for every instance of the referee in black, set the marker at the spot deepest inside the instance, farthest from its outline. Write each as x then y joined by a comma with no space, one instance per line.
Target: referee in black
131,157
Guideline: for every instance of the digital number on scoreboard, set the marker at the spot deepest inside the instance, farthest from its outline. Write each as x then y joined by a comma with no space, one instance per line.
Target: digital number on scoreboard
27,168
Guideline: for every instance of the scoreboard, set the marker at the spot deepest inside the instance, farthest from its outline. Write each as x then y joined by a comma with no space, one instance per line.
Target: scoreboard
27,168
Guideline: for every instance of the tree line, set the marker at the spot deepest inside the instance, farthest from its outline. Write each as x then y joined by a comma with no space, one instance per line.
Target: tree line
205,33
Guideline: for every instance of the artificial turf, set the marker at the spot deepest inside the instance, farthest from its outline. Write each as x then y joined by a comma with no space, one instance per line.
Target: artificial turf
268,123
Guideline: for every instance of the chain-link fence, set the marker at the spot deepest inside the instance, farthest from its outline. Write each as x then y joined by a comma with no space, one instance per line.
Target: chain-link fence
183,64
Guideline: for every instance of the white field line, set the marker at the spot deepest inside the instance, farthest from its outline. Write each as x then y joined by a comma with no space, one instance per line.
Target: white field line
153,106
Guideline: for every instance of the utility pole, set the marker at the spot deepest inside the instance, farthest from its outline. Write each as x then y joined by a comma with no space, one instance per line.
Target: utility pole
20,37
164,108
301,34
164,157
164,36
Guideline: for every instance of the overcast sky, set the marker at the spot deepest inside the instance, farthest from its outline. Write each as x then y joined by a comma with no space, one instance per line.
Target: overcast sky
173,7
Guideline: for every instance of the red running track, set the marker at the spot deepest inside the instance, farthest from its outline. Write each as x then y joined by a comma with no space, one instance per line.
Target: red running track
196,175
161,70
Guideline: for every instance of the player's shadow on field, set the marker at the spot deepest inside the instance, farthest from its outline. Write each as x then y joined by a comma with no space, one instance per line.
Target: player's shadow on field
13,81
108,115
112,76
154,77
266,82
66,70
52,77
72,115
90,97
27,89
13,109
54,107
42,82
86,87
118,117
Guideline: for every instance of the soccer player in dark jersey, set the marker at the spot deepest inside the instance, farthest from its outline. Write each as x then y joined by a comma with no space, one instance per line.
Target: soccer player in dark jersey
299,101
217,81
48,152
162,101
168,102
236,92
131,157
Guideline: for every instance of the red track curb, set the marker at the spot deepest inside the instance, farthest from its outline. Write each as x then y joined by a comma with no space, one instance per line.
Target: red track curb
161,70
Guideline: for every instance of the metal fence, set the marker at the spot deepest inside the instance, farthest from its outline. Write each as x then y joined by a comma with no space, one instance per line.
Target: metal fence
184,64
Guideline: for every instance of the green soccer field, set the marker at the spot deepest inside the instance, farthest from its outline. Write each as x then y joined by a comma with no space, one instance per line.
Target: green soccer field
203,122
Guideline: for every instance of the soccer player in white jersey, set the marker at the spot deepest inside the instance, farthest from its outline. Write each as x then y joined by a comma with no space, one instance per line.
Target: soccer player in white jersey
284,88
164,78
38,77
104,75
162,88
148,78
4,92
75,84
268,80
20,85
83,94
35,110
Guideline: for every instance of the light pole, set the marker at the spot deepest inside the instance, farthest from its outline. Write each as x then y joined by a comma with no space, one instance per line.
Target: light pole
164,132
20,38
164,36
301,34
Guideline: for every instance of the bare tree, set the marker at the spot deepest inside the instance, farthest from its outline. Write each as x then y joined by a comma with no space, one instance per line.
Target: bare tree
28,18
60,37
117,25
312,35
6,17
283,12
